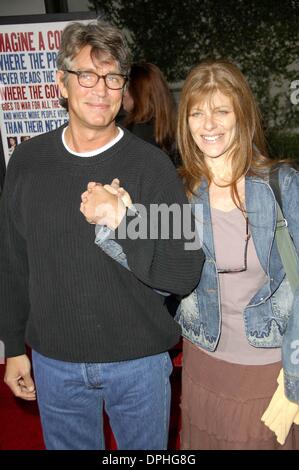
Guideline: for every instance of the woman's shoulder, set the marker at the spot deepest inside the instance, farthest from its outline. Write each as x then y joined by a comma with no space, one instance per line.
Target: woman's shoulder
289,177
286,168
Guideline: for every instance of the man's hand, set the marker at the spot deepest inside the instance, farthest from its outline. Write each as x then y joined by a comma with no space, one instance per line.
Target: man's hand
18,377
102,205
114,188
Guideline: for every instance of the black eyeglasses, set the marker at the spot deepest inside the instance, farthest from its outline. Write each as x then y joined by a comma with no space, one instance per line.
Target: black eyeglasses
114,81
244,267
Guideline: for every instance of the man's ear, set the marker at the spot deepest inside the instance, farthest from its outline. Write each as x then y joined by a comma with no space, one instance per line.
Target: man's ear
125,88
60,80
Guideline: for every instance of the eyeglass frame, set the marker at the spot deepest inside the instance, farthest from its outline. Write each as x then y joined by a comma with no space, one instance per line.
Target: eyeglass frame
79,72
244,268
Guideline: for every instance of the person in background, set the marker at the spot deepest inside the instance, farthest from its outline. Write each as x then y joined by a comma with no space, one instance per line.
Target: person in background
12,144
242,314
99,334
150,107
25,137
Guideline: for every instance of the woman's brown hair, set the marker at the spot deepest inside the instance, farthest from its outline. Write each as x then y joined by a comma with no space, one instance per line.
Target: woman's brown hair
152,101
249,153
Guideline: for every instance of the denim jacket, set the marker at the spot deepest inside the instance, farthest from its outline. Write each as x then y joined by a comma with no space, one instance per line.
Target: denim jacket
271,318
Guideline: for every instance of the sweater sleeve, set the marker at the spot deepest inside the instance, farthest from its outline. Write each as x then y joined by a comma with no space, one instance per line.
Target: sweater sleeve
13,277
160,244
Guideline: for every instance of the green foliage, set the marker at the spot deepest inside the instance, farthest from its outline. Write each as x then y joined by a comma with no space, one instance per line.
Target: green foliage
261,36
283,145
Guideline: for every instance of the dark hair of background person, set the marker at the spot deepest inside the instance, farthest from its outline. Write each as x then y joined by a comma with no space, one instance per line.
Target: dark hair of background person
153,103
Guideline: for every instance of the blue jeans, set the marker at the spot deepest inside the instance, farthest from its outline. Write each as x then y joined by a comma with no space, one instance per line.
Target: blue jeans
135,393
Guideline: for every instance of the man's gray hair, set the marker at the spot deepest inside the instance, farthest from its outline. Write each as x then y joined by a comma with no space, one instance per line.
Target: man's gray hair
103,38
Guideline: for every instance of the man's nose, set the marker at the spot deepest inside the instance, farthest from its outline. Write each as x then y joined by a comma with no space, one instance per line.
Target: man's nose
100,88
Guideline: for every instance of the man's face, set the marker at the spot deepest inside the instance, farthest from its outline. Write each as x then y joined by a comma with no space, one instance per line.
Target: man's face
91,108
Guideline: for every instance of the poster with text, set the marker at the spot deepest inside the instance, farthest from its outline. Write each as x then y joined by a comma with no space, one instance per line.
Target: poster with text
29,95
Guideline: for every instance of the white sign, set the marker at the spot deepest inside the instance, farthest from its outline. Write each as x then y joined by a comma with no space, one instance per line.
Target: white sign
29,95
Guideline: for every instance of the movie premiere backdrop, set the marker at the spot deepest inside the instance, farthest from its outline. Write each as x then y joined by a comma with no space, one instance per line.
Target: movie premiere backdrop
29,95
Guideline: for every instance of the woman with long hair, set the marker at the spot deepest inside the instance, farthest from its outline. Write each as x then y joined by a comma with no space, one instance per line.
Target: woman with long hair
242,314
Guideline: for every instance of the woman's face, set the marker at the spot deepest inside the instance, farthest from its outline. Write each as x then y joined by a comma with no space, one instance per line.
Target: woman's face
128,102
212,123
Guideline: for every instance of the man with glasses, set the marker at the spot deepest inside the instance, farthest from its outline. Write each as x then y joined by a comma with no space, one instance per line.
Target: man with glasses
99,334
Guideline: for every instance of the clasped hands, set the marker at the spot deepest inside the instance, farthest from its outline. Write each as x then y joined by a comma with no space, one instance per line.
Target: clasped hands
105,204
